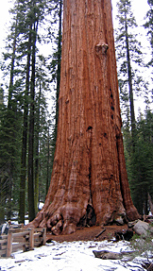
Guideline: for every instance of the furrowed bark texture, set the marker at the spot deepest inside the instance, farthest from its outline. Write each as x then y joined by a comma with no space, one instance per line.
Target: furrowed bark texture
89,165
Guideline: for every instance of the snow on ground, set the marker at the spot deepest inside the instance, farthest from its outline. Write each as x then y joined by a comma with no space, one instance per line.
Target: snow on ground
74,256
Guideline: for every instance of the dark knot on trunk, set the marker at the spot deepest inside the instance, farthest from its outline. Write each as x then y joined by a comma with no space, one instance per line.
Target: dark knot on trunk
101,48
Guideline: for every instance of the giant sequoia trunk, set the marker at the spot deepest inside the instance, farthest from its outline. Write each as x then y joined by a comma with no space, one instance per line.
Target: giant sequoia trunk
89,164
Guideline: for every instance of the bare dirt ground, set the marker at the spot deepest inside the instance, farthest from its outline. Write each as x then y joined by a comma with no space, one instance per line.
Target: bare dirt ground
87,234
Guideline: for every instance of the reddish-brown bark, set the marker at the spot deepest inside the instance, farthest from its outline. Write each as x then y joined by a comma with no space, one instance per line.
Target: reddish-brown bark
89,165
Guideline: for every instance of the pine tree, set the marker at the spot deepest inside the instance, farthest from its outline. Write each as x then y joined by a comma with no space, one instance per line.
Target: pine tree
129,56
59,39
11,118
2,192
55,71
24,135
149,26
40,121
21,60
142,163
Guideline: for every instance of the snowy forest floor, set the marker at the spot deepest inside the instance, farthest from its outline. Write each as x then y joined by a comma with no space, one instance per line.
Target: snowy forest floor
75,252
68,256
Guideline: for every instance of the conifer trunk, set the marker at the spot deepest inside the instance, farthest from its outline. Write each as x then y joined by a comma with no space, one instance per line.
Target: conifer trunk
132,113
37,131
89,164
57,77
48,159
58,64
31,129
24,137
10,91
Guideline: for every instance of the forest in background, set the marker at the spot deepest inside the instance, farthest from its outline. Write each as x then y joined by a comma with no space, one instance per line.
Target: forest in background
29,93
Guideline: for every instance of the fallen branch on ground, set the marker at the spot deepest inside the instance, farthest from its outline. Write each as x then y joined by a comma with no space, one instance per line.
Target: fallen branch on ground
103,230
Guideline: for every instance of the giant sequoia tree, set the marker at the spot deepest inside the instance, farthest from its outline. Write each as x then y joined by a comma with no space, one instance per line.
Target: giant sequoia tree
89,164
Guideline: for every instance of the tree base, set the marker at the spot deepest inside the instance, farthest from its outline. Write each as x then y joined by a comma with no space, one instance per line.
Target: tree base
57,226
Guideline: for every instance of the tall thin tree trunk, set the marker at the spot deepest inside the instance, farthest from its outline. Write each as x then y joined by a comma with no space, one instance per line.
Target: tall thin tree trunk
12,64
36,198
48,158
132,113
1,202
59,64
24,137
31,130
89,165
12,110
58,78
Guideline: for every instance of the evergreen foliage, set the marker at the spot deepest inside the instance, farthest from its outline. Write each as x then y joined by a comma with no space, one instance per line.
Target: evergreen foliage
24,120
55,71
149,26
129,60
140,163
138,149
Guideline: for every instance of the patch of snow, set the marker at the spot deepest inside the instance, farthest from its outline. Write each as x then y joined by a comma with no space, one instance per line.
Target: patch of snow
68,256
40,205
26,221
